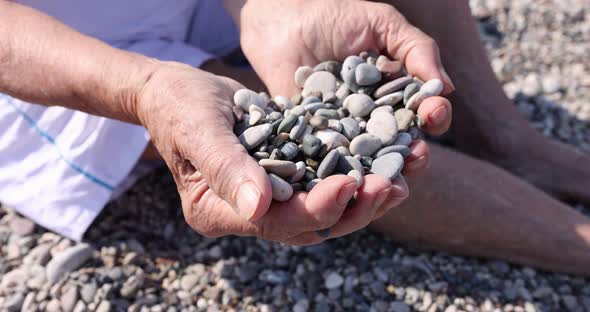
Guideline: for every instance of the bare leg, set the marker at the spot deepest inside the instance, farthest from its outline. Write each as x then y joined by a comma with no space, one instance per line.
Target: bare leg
470,207
485,123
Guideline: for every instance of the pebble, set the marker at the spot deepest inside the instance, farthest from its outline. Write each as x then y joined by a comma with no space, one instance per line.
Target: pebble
401,149
311,184
322,84
254,136
244,98
301,75
332,139
358,176
403,138
335,125
388,165
287,124
404,118
390,99
365,144
282,168
350,127
359,105
332,67
311,145
313,107
67,261
366,74
21,226
327,113
298,129
384,126
433,87
393,86
256,115
290,150
328,164
390,69
104,306
68,299
347,164
410,90
319,122
382,110
14,303
281,190
334,280
299,172
283,102
348,71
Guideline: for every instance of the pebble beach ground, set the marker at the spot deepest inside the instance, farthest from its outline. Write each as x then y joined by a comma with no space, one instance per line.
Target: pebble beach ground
144,258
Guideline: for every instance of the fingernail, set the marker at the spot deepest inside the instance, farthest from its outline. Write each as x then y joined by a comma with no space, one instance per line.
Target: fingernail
346,193
440,115
382,196
324,233
247,199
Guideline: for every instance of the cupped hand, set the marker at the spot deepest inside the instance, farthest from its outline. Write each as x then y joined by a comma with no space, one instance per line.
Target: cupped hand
223,190
279,36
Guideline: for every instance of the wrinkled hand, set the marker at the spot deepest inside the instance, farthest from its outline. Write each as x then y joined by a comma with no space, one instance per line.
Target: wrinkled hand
279,36
223,190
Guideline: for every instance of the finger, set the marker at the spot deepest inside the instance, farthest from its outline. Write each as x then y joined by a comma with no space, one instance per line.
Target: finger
225,164
369,198
418,160
399,193
437,113
415,49
316,210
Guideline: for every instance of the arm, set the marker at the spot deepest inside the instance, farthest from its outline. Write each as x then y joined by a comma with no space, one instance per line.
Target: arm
46,62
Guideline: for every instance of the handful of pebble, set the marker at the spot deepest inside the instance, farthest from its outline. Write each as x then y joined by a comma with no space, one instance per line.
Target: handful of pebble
355,118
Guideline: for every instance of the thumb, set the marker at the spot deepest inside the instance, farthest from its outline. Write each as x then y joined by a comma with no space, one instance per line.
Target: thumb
418,52
230,172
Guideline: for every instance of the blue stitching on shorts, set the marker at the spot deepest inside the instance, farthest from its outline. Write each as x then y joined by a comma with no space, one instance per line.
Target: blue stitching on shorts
51,140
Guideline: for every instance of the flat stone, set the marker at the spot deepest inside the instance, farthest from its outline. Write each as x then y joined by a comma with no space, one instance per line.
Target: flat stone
287,124
388,165
301,75
348,163
401,149
348,71
298,129
311,145
383,126
67,261
290,150
322,84
297,111
319,122
328,164
332,67
313,107
404,118
282,168
310,99
410,90
433,87
358,176
254,136
359,105
366,74
365,144
393,86
414,102
389,69
403,138
244,98
256,115
332,139
281,190
335,125
327,113
299,172
350,127
283,102
390,99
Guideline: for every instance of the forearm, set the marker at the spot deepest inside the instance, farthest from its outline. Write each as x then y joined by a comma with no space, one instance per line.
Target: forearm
46,62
